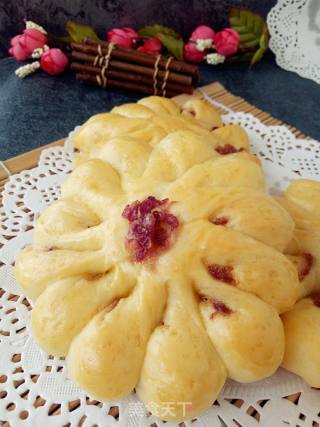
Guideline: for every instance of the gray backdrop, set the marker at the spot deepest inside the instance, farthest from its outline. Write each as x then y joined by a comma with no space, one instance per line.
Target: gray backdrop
183,15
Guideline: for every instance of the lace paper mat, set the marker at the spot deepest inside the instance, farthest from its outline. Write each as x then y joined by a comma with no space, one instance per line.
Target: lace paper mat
34,387
294,27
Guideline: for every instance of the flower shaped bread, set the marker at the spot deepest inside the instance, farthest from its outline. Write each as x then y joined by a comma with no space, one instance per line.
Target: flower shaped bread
204,306
302,323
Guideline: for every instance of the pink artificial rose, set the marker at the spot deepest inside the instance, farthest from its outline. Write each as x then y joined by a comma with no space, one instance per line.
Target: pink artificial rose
24,44
226,42
34,39
151,46
192,54
18,48
202,32
122,36
54,61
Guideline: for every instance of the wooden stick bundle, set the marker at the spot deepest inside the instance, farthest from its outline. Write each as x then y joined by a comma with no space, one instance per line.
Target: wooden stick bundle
100,63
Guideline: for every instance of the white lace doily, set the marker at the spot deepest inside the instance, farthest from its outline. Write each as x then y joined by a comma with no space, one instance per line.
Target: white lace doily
34,388
294,27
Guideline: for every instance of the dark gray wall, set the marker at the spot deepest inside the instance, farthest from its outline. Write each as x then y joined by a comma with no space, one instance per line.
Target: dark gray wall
183,15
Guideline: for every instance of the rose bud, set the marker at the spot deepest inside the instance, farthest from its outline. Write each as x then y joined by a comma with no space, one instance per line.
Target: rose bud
18,48
202,32
226,42
151,46
54,61
24,44
122,36
192,54
34,39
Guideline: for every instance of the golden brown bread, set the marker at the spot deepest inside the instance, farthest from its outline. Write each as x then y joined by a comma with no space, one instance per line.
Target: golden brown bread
302,322
207,307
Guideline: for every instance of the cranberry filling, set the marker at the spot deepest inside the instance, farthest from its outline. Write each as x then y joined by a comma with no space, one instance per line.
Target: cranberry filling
52,248
316,299
192,112
220,220
304,266
228,149
151,226
219,306
113,305
223,273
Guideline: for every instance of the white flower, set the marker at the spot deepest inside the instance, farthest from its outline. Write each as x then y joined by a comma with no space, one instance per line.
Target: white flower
34,26
215,58
25,70
203,44
39,51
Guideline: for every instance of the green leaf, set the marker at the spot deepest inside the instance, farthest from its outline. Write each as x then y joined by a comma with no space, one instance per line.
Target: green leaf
247,37
250,44
248,25
78,32
253,33
264,40
172,44
263,43
257,56
152,31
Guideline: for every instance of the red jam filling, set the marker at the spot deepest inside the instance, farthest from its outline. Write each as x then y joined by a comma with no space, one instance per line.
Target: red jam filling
316,299
113,305
151,226
220,220
218,306
228,149
304,266
223,273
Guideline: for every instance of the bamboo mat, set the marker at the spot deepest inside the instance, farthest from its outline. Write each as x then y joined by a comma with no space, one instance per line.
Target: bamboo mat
219,93
214,90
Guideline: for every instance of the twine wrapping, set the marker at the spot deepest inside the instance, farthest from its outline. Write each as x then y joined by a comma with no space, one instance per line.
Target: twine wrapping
103,59
155,75
166,76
